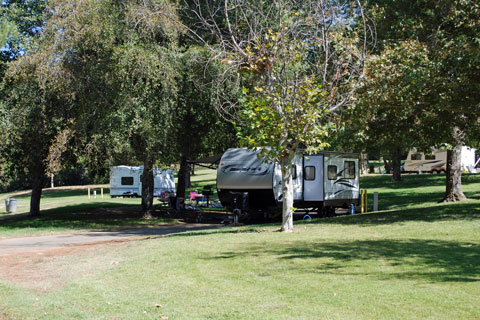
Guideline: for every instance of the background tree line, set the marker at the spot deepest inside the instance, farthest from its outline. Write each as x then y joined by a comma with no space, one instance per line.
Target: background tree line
94,83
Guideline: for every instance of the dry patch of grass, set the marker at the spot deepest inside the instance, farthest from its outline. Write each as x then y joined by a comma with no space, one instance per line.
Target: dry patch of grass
50,269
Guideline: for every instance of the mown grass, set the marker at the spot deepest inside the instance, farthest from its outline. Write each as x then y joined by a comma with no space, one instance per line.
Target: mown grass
415,190
415,259
391,267
72,210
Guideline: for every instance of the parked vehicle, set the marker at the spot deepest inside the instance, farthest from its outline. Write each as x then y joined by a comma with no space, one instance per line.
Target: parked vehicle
125,181
436,162
246,182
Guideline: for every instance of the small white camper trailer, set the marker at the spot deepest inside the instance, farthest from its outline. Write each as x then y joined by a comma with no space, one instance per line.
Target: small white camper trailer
436,162
125,181
247,182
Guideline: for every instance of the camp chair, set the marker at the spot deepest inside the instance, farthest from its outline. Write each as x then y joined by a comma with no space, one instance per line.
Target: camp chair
192,195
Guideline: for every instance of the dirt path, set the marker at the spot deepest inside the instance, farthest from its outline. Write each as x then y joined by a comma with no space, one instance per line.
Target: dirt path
42,243
44,262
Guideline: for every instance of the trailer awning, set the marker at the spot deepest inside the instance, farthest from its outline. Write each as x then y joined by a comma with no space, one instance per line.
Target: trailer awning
207,162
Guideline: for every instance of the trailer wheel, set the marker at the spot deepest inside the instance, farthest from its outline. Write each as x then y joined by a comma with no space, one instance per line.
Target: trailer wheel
322,212
331,212
434,172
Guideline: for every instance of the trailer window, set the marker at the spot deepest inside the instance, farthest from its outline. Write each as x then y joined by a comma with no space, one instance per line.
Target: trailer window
294,172
332,172
429,157
416,156
310,173
127,181
350,169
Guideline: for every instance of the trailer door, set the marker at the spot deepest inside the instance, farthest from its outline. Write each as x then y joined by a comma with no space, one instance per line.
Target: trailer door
313,178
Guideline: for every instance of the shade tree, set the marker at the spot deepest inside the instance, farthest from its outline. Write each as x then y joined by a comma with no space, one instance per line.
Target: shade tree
297,62
448,30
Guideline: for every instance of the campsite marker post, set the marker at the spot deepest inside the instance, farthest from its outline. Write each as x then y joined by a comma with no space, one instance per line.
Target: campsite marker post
375,201
363,201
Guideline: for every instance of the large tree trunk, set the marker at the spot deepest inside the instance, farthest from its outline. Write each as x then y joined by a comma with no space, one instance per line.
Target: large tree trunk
387,166
453,190
188,177
287,192
147,189
363,163
396,163
183,174
37,186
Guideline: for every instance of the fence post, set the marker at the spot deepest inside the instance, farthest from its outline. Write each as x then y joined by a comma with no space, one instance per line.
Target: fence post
363,201
101,190
366,201
88,192
375,201
362,204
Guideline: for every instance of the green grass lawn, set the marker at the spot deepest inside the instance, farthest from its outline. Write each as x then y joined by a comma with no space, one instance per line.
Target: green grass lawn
415,259
67,210
72,210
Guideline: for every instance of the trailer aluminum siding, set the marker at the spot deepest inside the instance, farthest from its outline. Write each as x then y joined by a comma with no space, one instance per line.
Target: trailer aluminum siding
242,170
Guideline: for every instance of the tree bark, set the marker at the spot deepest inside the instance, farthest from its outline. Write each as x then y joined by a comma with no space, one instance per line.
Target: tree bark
453,190
363,163
287,191
387,166
147,189
37,187
182,177
396,163
188,177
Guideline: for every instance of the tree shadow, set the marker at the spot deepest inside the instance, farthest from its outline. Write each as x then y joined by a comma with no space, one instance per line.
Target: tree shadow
95,215
426,260
403,198
411,181
467,210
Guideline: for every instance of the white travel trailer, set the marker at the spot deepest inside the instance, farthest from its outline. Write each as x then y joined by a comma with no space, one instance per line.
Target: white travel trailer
436,162
125,181
249,183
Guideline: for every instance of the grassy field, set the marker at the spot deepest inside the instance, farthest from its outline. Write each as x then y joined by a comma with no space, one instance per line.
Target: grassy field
72,210
414,259
65,210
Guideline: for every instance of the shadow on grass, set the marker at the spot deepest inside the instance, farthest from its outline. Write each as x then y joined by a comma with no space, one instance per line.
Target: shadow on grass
428,260
98,215
468,210
411,181
403,198
220,230
414,190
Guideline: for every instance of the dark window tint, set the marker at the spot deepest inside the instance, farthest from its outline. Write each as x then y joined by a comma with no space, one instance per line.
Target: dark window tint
127,181
332,172
310,173
350,169
294,172
416,156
